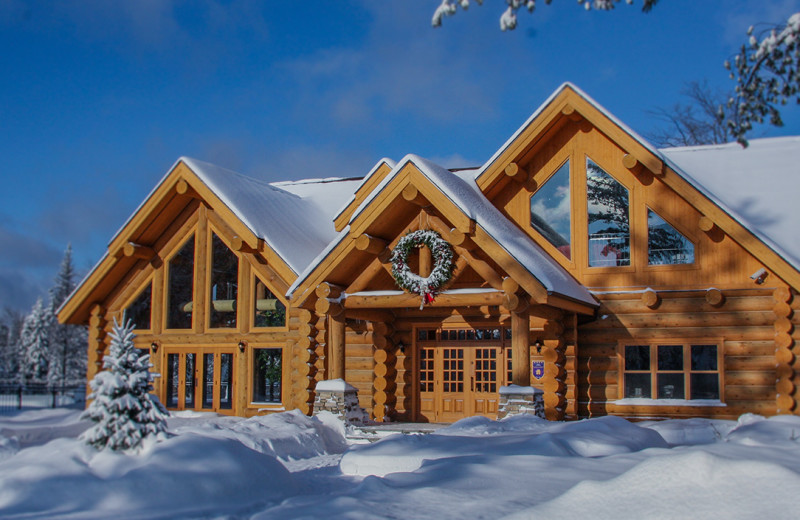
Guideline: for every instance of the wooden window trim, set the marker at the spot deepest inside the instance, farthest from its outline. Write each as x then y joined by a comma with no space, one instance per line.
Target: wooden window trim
211,231
173,249
127,302
566,156
251,310
694,266
687,372
247,387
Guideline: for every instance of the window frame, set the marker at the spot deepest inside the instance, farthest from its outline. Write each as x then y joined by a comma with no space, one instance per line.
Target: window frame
686,371
151,281
633,260
251,365
180,243
254,276
567,159
209,258
659,267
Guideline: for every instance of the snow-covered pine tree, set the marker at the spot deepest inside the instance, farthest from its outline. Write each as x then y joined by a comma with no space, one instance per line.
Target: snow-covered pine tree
123,410
35,343
67,342
10,349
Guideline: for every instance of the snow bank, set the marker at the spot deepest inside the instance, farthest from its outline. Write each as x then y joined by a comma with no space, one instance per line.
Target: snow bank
687,485
517,436
287,436
181,476
35,427
755,430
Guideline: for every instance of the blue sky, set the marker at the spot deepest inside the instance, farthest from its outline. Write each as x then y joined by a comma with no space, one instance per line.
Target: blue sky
100,97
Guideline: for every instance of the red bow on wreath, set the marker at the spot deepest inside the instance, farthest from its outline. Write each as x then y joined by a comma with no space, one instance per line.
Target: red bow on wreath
428,298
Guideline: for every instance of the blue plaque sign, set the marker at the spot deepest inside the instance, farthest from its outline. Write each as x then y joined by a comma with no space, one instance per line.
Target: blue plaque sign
538,369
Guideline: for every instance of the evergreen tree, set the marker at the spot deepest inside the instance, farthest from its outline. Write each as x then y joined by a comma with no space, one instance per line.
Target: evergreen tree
35,344
123,410
67,356
10,349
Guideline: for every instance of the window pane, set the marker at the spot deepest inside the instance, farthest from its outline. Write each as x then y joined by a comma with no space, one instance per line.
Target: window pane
224,284
189,381
609,228
665,245
180,287
670,386
267,375
670,357
705,386
173,376
208,380
139,310
637,357
704,357
226,381
270,311
637,385
550,210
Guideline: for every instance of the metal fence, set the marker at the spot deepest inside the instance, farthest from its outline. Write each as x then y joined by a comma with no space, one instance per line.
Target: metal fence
32,395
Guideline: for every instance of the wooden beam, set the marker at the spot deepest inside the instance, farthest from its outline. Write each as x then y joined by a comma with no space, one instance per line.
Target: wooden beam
397,301
412,194
486,271
138,251
336,347
651,298
458,238
371,244
239,244
570,112
706,224
714,297
520,349
510,286
515,302
629,161
373,315
516,172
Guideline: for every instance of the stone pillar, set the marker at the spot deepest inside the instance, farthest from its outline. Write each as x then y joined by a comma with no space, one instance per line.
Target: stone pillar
520,400
340,399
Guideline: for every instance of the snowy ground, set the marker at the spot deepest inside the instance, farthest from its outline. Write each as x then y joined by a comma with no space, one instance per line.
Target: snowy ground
291,466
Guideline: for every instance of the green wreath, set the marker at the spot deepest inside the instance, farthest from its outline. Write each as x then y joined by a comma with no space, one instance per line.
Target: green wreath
441,273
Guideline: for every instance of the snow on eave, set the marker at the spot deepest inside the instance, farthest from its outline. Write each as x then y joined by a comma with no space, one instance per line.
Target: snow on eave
388,162
301,278
564,86
736,216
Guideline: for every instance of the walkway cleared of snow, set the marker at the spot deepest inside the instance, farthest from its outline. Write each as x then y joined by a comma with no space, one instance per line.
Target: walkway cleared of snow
290,466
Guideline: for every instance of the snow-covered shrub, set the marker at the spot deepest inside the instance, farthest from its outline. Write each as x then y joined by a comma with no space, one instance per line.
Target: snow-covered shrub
123,410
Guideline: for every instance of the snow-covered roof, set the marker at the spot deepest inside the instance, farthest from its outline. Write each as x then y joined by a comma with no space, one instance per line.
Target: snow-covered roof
758,186
461,189
294,218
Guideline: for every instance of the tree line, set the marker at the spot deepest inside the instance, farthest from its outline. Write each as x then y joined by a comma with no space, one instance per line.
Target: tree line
35,348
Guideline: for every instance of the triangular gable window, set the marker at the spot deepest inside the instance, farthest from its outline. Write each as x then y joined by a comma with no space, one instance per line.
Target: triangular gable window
609,218
550,211
665,244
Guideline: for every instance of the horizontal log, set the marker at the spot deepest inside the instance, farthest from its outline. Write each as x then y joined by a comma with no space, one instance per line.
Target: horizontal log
371,244
329,307
669,304
629,161
383,384
328,290
648,334
413,300
132,250
651,299
705,224
240,244
358,363
750,378
517,172
456,237
714,297
387,371
412,194
570,112
765,363
782,294
358,376
664,320
359,350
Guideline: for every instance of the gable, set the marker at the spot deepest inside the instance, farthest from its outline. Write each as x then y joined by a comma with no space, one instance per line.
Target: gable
368,184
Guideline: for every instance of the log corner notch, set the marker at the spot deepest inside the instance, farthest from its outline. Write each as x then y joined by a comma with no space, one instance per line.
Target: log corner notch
786,398
412,195
714,297
514,298
329,299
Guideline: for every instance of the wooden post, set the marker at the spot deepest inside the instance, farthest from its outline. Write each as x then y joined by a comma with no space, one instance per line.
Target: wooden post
520,348
336,346
425,261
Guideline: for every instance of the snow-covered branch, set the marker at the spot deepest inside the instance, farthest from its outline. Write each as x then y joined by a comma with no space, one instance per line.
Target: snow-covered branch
767,74
508,20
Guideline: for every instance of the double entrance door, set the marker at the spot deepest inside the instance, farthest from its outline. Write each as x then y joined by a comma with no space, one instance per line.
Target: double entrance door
199,378
461,371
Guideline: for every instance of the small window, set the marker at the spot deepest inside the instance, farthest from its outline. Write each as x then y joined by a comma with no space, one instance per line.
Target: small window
671,371
224,285
550,210
665,245
139,310
267,369
608,214
269,310
180,287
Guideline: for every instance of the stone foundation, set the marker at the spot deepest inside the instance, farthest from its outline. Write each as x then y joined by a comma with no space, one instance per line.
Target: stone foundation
340,399
520,400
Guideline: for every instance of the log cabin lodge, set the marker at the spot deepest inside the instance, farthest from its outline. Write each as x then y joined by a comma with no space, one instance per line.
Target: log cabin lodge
610,276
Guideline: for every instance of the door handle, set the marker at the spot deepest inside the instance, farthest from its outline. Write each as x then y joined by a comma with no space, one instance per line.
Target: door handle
472,384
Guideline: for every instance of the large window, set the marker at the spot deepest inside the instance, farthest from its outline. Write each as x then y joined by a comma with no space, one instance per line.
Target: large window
267,368
269,311
671,370
180,287
609,218
550,210
224,285
139,309
665,245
